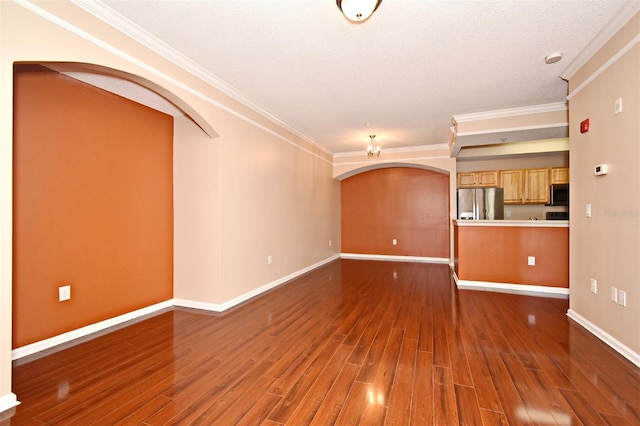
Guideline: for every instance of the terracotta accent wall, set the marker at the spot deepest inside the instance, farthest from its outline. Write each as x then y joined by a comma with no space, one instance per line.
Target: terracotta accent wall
407,204
499,254
93,205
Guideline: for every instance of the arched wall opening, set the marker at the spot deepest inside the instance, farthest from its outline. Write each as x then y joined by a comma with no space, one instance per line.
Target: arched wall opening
130,86
396,210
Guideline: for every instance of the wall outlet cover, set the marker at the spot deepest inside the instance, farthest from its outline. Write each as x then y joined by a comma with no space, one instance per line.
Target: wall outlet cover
64,293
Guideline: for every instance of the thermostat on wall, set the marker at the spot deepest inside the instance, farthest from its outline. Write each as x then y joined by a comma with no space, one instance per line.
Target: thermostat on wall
600,169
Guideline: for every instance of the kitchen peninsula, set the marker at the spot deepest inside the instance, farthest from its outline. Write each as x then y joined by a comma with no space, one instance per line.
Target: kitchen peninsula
526,256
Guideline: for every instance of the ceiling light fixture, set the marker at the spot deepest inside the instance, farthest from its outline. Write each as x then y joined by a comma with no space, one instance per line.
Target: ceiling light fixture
373,150
358,10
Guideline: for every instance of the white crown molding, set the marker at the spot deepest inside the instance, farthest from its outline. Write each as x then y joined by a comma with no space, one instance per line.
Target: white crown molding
611,341
399,162
511,112
403,150
514,129
117,21
619,54
623,16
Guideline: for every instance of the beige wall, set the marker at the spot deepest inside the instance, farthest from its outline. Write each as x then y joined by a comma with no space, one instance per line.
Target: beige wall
606,246
256,190
196,241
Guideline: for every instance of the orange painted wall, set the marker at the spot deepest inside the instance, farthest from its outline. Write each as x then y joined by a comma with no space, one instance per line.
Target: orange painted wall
408,204
93,205
499,254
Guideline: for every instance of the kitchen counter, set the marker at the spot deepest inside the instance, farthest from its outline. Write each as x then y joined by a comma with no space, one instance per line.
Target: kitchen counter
516,223
497,255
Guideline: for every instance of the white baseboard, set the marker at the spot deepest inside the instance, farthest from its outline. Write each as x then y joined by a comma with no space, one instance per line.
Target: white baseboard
614,343
7,402
525,289
51,342
85,331
390,258
221,307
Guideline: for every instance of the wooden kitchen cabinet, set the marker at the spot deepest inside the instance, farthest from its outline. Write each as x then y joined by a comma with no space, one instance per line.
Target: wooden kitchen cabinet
536,186
559,175
521,186
512,183
487,179
467,180
482,179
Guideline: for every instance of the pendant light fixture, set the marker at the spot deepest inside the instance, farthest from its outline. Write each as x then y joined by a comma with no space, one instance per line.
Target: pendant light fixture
373,150
358,10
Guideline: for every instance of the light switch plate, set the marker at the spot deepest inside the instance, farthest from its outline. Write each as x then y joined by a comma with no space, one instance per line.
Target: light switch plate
622,298
617,106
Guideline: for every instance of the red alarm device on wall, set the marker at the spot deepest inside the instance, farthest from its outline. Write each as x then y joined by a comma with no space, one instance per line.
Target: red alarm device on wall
584,126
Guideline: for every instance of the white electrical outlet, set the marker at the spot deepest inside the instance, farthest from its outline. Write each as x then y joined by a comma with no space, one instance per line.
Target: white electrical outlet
594,286
64,293
622,298
531,261
614,294
395,242
329,243
587,210
269,260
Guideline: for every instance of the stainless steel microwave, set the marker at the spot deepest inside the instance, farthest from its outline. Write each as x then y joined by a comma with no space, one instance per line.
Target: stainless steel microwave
559,194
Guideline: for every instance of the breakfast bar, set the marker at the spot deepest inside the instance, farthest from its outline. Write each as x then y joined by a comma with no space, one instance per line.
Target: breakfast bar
528,256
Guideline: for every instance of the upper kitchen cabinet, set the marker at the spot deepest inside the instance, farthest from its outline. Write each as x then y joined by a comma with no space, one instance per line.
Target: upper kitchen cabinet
467,180
521,186
484,179
536,186
527,186
511,181
559,175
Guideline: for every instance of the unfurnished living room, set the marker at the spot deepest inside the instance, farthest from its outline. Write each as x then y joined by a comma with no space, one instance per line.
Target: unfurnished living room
287,212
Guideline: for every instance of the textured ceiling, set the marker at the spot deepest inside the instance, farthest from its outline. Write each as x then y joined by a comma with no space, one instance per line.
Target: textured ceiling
401,75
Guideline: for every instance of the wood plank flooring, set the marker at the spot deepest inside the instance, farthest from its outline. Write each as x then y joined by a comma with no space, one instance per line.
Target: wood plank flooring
354,342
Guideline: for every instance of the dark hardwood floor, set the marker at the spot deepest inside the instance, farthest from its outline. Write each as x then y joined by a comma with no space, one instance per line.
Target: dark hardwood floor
354,342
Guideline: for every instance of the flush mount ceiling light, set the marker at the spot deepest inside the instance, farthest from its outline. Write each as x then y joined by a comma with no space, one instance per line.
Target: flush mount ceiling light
358,10
373,149
552,58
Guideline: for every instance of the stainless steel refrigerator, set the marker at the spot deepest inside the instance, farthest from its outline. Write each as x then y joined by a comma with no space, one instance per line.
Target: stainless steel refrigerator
481,203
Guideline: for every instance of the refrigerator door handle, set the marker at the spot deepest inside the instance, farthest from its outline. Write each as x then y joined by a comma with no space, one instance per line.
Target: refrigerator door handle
475,206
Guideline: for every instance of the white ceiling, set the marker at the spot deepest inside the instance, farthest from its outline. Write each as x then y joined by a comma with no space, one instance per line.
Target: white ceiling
401,75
